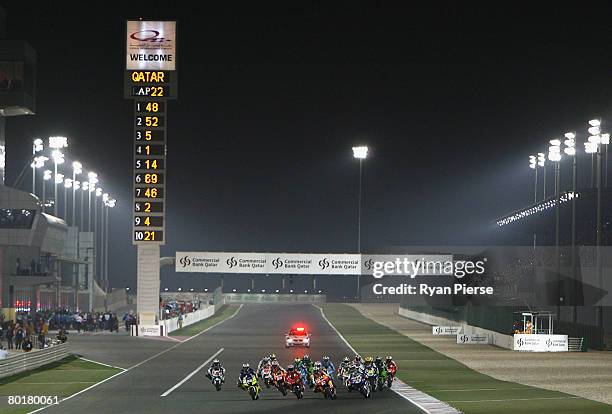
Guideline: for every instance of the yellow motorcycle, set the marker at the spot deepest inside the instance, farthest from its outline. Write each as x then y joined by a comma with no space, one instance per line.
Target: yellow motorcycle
249,384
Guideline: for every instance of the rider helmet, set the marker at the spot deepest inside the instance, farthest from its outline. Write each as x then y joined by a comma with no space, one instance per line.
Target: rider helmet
369,360
289,368
272,357
389,358
216,363
346,359
245,365
274,363
317,365
358,358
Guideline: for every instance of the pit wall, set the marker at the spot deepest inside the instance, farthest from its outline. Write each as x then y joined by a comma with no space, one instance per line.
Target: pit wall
495,338
272,298
188,319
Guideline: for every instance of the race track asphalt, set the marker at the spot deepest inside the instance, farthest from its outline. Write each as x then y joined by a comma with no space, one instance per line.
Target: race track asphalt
255,331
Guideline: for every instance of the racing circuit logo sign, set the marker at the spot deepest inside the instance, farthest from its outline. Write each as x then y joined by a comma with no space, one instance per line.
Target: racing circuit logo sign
464,339
369,264
324,263
232,262
277,263
520,342
185,261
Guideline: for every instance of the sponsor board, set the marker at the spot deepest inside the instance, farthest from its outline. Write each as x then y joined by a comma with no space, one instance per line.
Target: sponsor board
150,45
148,330
268,263
446,330
472,339
540,343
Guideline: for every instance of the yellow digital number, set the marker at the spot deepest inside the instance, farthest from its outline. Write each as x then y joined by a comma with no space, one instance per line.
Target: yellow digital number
152,107
151,178
151,121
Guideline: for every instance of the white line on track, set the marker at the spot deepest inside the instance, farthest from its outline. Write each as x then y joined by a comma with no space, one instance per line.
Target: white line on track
518,399
403,388
140,363
192,373
101,363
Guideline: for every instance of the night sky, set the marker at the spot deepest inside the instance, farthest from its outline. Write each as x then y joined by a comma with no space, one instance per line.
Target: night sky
451,100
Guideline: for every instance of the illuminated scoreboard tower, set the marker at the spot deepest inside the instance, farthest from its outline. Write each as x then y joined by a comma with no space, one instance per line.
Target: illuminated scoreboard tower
150,81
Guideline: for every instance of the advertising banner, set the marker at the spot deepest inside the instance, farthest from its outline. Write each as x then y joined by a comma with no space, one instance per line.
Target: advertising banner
268,263
148,330
446,330
472,339
151,45
540,343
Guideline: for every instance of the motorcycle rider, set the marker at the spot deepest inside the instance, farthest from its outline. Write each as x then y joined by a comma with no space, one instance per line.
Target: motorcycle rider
382,370
216,365
292,375
328,365
277,369
390,365
307,367
358,362
264,362
343,369
369,365
273,360
245,372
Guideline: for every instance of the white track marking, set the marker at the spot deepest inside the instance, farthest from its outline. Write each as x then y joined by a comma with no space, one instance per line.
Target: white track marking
101,363
519,399
140,363
192,373
401,389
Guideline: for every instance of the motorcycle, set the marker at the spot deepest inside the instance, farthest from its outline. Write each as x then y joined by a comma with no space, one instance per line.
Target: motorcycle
249,384
307,376
266,375
357,381
391,375
325,385
217,379
372,375
279,382
296,387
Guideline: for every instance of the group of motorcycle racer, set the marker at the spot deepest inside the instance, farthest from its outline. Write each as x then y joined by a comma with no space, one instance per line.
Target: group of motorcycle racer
365,374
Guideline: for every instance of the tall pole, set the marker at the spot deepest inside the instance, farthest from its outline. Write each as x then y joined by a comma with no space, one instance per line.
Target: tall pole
106,248
599,232
89,209
359,227
557,230
544,167
44,185
65,203
73,222
55,189
81,208
95,238
574,253
33,170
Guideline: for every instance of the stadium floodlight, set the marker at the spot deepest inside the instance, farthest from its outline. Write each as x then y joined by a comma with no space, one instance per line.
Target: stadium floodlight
594,130
555,142
68,183
554,152
180,289
571,151
85,186
590,147
533,162
58,142
37,146
570,135
595,139
59,178
93,177
58,157
360,152
77,168
39,161
541,159
595,122
112,203
605,139
105,198
206,290
99,191
76,185
92,187
47,174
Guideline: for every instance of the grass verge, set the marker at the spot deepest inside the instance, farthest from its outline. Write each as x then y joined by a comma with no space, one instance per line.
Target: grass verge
448,380
224,312
62,379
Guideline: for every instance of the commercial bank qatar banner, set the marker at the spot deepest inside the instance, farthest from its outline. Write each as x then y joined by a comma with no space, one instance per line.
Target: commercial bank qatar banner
286,263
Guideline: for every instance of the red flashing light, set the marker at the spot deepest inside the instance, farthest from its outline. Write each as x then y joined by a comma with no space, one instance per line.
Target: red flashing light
300,329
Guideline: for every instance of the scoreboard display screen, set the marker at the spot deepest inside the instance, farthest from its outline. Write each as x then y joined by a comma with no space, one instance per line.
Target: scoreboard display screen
150,90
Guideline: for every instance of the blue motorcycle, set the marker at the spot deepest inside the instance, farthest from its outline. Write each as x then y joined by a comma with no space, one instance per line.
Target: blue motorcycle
359,381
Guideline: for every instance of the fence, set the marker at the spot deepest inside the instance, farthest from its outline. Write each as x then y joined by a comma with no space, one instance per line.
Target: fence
31,360
188,319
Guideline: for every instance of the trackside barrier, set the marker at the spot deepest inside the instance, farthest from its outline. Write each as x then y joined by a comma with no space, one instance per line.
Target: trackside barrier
31,360
494,338
188,319
272,298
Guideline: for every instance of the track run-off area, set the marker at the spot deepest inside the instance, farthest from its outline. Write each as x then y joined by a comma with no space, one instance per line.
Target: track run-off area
168,375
